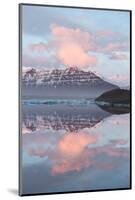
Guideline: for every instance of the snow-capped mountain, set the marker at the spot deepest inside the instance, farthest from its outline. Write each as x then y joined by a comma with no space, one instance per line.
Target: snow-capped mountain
71,82
57,77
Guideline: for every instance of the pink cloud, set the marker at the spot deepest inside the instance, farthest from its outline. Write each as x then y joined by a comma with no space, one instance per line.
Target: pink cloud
64,164
73,46
73,153
74,55
115,46
39,47
72,144
70,35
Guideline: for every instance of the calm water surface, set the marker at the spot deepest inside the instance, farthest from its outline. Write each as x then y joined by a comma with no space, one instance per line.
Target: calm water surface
73,147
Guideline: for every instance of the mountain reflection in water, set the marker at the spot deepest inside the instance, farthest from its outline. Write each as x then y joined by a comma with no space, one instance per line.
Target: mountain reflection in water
72,148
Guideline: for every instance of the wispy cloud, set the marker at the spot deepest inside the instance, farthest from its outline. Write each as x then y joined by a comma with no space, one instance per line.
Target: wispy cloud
119,78
118,56
39,47
118,142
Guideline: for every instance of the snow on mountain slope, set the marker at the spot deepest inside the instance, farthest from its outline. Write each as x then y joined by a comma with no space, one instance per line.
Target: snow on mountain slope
70,82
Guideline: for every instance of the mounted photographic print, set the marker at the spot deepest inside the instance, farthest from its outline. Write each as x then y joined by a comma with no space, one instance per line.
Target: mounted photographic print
75,99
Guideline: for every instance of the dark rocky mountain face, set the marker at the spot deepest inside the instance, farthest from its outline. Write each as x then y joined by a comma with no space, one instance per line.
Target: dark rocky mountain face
59,83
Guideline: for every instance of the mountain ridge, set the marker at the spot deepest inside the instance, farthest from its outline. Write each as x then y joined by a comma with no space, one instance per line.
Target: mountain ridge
64,83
